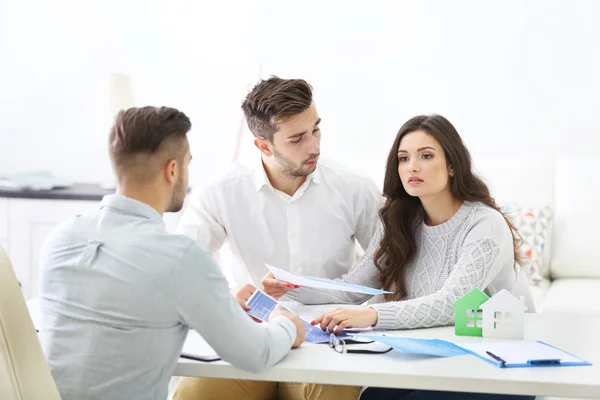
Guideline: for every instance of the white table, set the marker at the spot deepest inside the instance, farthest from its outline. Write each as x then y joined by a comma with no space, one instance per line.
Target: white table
579,335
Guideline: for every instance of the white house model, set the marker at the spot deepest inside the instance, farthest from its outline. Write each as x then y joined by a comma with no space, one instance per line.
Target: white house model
503,316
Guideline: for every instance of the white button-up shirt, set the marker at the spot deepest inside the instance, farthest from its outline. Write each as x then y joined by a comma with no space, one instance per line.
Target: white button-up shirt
313,232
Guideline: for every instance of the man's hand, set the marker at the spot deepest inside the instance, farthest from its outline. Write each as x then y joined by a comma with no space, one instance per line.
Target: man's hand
338,319
242,295
300,333
274,287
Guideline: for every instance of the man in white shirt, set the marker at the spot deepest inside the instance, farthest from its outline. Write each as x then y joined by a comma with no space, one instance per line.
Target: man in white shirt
288,210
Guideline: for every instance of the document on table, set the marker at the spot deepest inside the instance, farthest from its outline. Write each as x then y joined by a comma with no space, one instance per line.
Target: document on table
522,353
501,353
196,348
432,347
321,283
261,305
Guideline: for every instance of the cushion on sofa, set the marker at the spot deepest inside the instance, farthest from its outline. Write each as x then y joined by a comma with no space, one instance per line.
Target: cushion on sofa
573,296
535,227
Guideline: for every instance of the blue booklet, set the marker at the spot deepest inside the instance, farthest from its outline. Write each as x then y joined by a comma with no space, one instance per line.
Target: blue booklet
261,305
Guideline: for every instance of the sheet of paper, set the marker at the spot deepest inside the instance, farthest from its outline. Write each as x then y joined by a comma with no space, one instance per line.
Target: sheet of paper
432,347
519,351
261,305
321,283
286,276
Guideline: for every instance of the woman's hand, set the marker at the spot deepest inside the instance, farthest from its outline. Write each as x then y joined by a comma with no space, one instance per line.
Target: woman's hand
274,287
338,319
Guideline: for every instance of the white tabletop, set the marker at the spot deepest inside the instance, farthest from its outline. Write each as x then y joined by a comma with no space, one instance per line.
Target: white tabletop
579,335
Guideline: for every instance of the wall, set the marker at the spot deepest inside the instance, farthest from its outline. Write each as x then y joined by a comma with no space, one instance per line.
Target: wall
518,79
57,58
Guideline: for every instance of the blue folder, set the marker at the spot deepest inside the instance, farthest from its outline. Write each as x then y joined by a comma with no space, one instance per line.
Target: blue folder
431,347
502,354
528,354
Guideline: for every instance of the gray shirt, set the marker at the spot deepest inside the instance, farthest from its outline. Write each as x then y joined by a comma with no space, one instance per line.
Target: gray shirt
119,294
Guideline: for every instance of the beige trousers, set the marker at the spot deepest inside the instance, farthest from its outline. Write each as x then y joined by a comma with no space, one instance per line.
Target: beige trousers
230,389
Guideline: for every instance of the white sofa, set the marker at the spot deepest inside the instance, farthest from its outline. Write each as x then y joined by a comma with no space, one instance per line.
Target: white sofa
571,259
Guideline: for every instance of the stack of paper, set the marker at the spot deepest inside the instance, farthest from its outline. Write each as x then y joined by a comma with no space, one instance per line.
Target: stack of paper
39,180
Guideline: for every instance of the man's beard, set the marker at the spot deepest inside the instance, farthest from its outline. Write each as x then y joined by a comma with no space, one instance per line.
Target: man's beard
290,169
178,197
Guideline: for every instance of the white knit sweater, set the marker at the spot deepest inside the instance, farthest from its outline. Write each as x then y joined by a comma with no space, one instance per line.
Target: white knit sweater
473,249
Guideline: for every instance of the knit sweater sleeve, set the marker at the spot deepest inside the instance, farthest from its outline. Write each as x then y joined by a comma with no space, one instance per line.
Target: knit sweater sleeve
363,273
482,255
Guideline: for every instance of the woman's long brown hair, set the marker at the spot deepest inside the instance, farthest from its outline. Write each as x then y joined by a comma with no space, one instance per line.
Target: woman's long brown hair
403,213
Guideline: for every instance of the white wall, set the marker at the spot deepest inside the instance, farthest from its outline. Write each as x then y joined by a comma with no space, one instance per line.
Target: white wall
54,55
57,57
519,79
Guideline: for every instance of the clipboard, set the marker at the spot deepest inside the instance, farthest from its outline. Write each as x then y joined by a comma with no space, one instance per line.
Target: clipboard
522,354
502,354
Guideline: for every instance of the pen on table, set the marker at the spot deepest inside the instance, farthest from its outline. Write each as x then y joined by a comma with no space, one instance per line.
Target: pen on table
495,357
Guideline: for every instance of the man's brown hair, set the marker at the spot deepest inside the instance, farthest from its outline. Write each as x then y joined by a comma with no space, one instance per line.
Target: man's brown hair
273,101
142,139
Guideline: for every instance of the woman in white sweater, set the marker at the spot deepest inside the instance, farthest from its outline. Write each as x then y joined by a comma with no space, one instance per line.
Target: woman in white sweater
441,235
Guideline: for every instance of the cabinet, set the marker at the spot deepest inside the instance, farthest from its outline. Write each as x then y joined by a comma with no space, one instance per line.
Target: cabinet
30,221
4,223
26,223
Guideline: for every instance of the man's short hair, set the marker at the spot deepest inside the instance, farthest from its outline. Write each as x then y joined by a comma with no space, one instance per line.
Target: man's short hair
273,101
142,139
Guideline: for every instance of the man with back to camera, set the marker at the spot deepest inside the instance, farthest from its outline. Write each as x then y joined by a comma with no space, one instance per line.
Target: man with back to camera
119,293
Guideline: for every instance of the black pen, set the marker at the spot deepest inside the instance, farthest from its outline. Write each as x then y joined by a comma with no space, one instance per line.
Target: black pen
495,357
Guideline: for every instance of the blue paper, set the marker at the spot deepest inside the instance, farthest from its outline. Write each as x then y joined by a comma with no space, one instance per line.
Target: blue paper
261,306
432,347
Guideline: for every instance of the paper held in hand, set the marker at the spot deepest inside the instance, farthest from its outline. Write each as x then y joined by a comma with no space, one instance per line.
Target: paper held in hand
321,283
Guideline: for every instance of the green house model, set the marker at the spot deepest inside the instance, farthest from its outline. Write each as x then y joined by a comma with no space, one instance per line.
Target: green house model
468,316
